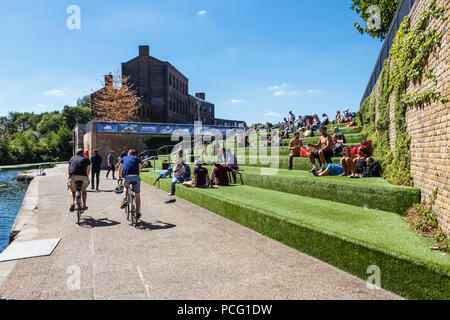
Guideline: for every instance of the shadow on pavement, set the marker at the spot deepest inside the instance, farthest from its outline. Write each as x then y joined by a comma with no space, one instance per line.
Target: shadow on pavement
89,222
142,225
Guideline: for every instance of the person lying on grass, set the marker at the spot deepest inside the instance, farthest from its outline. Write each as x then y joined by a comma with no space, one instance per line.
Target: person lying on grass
295,146
326,152
200,177
357,165
220,173
346,157
331,170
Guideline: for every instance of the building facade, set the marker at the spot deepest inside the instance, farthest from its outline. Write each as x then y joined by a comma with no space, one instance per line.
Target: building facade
164,92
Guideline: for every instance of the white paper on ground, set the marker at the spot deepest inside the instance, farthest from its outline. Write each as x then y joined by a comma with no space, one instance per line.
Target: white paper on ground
29,249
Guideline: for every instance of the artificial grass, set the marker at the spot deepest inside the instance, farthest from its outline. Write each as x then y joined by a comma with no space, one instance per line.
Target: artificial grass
347,237
344,130
375,193
350,138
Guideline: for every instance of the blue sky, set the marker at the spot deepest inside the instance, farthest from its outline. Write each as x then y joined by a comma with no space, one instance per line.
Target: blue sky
256,60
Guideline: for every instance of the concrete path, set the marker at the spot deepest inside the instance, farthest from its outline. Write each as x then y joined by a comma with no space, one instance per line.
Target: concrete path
182,252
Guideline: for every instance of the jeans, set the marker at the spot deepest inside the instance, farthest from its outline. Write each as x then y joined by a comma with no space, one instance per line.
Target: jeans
113,169
95,175
175,180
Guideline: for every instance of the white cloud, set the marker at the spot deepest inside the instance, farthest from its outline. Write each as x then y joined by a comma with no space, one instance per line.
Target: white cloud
286,93
202,12
55,93
284,85
237,100
269,113
314,91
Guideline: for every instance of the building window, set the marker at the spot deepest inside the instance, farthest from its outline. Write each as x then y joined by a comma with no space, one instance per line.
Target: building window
210,110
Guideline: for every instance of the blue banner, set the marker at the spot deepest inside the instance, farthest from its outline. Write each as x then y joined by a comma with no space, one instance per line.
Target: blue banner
186,129
129,128
167,129
107,127
149,128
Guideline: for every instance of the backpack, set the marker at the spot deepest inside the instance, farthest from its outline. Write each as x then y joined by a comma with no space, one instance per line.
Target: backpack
187,168
372,170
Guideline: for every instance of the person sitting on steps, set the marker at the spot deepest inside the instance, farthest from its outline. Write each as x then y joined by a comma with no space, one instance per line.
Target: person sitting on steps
356,166
323,154
295,146
346,157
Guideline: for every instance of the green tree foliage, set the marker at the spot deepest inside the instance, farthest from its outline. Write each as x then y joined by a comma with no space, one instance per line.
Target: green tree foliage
385,14
31,138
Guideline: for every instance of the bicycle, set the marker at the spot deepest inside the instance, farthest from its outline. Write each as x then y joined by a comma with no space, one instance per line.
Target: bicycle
131,208
79,202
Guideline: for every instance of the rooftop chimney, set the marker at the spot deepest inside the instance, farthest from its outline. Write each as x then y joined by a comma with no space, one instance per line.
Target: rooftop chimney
201,95
144,51
108,80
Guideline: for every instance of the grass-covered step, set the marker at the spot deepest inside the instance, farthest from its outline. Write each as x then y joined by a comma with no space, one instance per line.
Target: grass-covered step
281,162
348,237
350,138
344,130
373,193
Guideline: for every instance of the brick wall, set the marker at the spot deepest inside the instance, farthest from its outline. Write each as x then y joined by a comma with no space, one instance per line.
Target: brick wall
104,141
429,126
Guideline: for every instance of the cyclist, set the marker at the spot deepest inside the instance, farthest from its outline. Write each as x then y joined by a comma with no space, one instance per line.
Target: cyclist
129,170
79,169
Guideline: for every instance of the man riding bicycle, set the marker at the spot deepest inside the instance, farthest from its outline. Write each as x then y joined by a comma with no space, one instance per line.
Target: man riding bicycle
79,169
130,169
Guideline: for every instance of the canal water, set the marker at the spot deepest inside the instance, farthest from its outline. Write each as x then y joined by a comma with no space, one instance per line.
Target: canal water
12,193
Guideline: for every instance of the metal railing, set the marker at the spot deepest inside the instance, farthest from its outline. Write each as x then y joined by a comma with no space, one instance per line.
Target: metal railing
402,11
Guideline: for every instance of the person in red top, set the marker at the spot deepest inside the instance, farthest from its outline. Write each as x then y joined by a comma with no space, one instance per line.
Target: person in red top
220,173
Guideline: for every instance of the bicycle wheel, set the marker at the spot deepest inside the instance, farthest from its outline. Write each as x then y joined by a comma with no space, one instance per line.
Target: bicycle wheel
127,211
133,211
79,209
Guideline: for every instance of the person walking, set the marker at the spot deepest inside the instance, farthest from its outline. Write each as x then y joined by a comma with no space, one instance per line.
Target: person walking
111,164
96,163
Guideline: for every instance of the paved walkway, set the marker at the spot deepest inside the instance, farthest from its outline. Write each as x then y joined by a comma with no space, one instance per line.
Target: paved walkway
182,252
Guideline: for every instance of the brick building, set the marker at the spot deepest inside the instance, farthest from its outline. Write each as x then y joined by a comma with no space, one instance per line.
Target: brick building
164,92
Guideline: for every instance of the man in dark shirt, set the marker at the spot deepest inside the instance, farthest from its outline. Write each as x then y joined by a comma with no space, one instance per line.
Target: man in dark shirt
96,164
130,169
221,174
201,176
124,153
79,168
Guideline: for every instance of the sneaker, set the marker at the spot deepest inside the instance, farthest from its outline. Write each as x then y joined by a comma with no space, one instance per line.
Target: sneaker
170,195
72,208
138,216
313,170
124,204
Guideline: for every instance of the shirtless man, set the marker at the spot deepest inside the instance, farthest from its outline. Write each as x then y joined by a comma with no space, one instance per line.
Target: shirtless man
295,146
326,150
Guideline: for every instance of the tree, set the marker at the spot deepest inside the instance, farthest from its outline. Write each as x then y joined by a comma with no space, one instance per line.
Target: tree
84,102
117,101
377,14
75,115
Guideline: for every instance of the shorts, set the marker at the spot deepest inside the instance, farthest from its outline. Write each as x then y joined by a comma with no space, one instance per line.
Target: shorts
335,169
295,154
327,153
133,179
73,185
